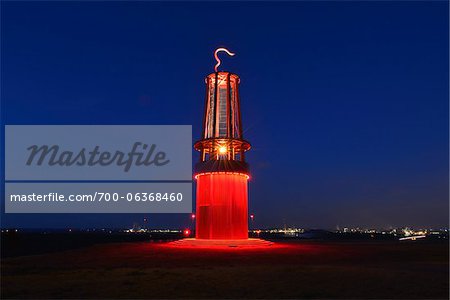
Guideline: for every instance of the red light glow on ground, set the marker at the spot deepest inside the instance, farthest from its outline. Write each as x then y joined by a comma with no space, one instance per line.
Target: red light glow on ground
223,244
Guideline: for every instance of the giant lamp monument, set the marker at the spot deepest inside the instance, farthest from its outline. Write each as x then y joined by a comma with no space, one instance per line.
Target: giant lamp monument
222,173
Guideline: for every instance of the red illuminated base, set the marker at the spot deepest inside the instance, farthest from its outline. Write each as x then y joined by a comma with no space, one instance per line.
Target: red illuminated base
221,211
208,243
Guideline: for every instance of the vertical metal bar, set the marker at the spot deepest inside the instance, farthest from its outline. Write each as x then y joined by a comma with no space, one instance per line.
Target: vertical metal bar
215,104
238,101
233,111
228,106
207,102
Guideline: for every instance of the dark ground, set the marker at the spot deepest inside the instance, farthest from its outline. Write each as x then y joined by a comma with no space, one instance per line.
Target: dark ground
294,269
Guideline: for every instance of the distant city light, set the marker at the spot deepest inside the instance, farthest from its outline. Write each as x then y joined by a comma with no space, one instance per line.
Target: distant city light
412,238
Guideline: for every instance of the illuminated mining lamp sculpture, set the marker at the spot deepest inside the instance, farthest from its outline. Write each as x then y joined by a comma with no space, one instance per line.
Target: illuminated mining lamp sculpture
222,173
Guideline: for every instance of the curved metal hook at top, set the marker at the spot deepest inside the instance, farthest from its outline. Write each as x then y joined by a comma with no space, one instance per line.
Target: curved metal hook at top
217,58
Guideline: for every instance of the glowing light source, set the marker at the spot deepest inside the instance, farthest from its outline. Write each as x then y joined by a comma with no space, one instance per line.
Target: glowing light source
193,216
222,150
187,232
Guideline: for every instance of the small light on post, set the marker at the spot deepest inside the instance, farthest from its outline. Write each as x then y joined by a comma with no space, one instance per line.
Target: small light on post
187,232
193,216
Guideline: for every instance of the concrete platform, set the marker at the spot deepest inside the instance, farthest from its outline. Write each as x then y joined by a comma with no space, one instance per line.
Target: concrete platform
204,243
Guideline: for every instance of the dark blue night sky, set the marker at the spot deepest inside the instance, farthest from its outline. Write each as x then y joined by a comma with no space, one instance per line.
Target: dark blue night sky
345,103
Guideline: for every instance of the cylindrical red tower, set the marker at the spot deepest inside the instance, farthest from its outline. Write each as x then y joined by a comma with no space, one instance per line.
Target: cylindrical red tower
222,173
